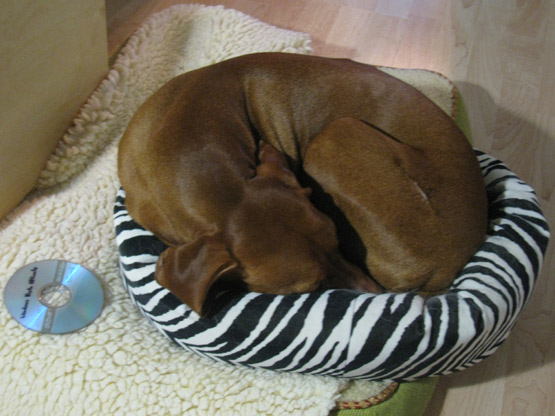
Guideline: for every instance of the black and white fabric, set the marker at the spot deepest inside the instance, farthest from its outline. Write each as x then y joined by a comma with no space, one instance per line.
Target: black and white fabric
349,334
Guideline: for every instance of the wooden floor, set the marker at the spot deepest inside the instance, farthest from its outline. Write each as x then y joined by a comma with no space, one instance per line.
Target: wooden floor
501,54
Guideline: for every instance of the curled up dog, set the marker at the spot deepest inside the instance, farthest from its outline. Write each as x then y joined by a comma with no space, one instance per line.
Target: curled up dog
217,162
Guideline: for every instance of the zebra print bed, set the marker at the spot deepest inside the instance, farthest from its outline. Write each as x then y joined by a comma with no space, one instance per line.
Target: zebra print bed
358,335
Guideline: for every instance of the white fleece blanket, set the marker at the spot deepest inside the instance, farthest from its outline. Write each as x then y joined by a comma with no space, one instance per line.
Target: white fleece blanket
120,364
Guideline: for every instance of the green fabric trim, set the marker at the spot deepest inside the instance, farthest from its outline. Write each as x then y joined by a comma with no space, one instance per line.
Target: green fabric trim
410,399
461,115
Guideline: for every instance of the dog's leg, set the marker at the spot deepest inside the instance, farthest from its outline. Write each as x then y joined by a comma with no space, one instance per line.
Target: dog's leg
391,210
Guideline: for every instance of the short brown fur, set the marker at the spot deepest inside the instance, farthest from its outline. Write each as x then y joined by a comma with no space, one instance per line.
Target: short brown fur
209,165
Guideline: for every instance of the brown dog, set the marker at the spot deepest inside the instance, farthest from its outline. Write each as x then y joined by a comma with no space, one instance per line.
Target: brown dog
197,174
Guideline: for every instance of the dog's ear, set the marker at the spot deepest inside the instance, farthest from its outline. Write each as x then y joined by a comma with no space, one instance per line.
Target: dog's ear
190,270
273,164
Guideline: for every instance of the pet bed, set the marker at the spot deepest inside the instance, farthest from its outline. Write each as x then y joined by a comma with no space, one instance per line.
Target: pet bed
348,334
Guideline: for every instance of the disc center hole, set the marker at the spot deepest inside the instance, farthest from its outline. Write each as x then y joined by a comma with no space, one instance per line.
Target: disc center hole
54,295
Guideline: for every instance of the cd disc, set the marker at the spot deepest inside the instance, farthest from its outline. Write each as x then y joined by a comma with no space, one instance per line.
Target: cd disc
53,296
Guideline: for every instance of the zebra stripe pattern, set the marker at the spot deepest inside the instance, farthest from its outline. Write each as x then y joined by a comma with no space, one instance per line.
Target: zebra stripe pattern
343,333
